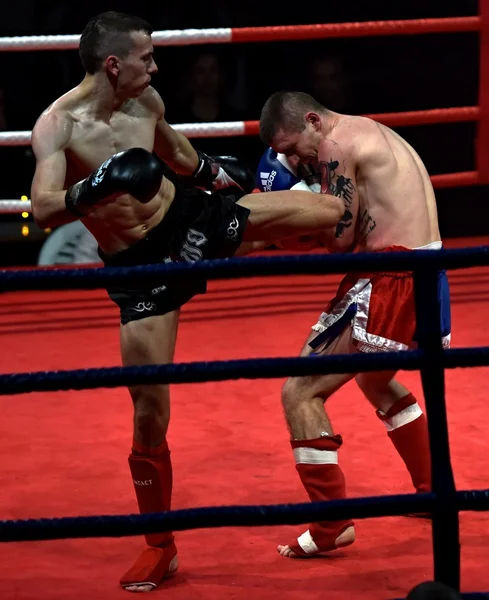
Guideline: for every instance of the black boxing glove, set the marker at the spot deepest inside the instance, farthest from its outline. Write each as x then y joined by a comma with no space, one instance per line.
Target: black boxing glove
135,171
218,172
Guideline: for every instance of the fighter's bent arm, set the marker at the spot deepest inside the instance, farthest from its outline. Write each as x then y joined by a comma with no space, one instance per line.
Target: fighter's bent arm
49,138
338,178
172,146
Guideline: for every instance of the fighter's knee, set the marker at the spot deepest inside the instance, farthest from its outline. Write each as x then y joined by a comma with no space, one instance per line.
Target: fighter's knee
149,395
150,428
291,392
151,410
362,383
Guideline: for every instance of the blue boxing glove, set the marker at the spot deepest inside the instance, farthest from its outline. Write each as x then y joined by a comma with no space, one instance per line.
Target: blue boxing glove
275,174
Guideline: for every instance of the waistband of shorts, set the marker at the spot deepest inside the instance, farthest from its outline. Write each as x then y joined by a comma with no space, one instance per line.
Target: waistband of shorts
139,252
394,248
400,274
438,245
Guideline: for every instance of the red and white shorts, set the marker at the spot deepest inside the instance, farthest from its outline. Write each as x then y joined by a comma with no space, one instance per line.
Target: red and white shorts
385,316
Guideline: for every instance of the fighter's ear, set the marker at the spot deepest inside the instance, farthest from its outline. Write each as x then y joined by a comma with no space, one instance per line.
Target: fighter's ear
112,65
314,119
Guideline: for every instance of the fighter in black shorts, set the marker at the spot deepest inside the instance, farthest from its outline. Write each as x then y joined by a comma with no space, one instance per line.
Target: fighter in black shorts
97,150
197,226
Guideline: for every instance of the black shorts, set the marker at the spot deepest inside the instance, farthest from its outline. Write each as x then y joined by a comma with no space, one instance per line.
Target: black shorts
197,226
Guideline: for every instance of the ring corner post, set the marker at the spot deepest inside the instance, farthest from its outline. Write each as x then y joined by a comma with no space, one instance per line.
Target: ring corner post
445,516
482,139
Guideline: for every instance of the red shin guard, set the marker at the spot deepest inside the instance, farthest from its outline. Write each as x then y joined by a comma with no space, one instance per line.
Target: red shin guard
407,428
152,475
323,479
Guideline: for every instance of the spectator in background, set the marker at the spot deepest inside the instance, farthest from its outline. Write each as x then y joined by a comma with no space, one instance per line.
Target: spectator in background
203,98
328,83
11,158
205,93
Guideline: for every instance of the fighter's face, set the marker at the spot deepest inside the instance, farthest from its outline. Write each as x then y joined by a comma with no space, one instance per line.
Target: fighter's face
298,146
135,71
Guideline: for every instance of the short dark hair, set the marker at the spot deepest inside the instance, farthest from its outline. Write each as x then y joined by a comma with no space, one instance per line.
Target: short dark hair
108,33
285,110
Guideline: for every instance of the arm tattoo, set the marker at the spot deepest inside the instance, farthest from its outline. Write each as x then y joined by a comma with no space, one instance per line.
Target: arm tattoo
338,185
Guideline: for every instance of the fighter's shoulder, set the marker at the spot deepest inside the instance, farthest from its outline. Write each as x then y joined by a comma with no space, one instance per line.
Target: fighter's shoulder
351,126
55,125
152,101
63,109
361,135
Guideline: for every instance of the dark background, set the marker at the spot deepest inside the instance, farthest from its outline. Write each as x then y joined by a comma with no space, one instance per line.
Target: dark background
357,76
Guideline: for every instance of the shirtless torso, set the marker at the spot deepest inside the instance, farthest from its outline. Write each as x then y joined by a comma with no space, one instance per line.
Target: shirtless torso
388,200
388,196
71,140
115,114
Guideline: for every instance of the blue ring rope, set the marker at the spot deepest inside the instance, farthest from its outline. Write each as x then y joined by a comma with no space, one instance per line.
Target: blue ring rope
444,503
233,268
256,368
232,516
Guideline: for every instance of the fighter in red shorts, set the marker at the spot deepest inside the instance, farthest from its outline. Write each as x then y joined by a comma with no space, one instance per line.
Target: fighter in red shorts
389,205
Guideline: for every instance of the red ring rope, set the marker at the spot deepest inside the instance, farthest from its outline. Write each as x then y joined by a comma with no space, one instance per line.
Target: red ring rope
415,117
367,28
376,28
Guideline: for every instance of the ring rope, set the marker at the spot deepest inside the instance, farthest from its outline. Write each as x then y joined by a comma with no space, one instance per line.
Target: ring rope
258,368
234,268
445,517
451,180
96,278
239,35
444,508
231,516
482,151
443,505
239,128
448,180
227,516
359,29
22,530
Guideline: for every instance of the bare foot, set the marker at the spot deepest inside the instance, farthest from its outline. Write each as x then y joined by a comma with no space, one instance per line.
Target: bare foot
419,515
344,539
286,552
140,588
149,570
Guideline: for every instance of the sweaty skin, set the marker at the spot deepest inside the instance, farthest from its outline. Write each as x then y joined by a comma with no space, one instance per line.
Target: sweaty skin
112,110
388,200
72,140
74,136
385,188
